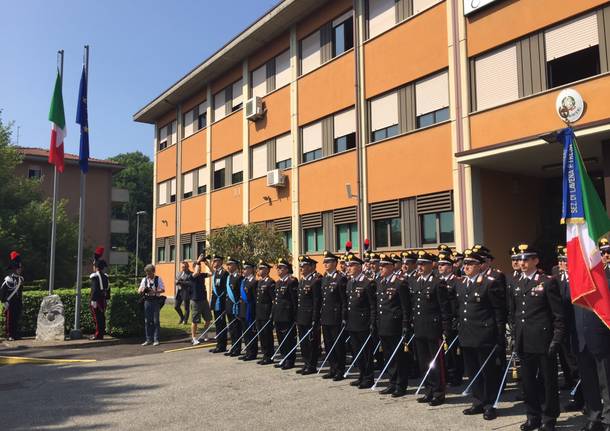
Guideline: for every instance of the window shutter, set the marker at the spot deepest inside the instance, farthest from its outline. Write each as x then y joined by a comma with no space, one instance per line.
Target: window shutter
435,202
162,133
345,215
237,163
186,238
344,123
283,148
188,182
203,108
219,165
202,177
384,111
199,236
310,52
311,220
170,240
382,16
432,94
282,69
220,110
383,210
283,224
174,136
572,36
188,123
162,198
259,161
237,93
173,186
312,137
259,81
496,78
420,5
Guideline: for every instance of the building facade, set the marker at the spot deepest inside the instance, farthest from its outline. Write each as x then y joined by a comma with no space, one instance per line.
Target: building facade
418,122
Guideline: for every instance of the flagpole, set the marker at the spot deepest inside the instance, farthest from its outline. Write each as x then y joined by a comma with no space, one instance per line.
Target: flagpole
76,332
60,55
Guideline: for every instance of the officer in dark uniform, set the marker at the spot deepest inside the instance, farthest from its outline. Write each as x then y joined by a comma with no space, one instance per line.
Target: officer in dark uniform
594,358
537,315
431,323
458,263
284,312
361,315
333,316
409,271
100,294
232,306
309,300
393,322
247,309
482,321
487,267
219,291
265,292
511,281
10,296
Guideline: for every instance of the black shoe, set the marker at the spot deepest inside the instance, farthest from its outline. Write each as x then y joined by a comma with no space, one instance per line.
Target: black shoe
474,410
365,385
279,365
437,401
234,354
242,357
218,350
338,377
594,426
266,361
399,392
355,383
530,425
287,366
424,399
309,371
328,375
490,414
300,371
249,358
387,391
550,426
573,406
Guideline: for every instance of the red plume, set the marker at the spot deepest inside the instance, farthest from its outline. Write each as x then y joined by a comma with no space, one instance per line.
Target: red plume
14,255
367,244
348,246
99,252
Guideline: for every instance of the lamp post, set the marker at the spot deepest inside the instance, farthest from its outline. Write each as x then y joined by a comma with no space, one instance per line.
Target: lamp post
138,214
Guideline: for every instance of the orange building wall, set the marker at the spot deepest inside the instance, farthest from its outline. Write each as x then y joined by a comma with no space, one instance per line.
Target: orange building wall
167,213
194,151
322,16
227,135
166,164
413,164
327,89
513,121
391,61
167,272
277,118
192,214
275,47
227,206
280,199
322,183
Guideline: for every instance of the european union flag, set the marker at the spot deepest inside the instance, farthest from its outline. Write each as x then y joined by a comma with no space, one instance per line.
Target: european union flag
82,119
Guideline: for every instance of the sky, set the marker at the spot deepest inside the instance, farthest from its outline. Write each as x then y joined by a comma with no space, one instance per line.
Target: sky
138,48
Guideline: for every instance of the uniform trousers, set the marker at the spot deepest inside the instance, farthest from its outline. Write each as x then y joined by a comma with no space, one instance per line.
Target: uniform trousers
485,389
235,329
99,318
287,339
365,360
221,324
397,370
336,359
539,377
436,380
265,337
595,374
310,345
12,314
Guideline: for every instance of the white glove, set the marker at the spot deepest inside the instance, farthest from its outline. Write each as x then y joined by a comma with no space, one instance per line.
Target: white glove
94,304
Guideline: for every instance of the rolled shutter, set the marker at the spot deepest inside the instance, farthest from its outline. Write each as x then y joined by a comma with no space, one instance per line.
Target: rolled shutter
237,163
162,198
186,238
345,215
344,123
435,202
219,165
282,69
312,137
237,94
188,182
496,78
572,36
310,52
382,16
385,210
283,224
259,81
283,148
259,161
432,94
220,111
199,236
173,187
311,220
188,123
384,111
170,240
202,177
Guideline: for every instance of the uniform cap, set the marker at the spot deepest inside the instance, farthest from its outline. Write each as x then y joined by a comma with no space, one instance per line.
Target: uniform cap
348,246
443,247
99,252
408,256
456,255
603,244
247,264
483,251
445,257
425,257
374,257
329,257
396,258
473,256
232,260
218,257
386,259
283,262
352,259
263,264
514,252
562,252
15,260
306,260
526,251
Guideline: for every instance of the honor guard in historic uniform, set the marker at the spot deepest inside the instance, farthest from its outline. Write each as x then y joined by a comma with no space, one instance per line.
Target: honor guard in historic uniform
265,292
393,324
10,296
309,300
431,324
219,291
482,321
361,315
232,306
247,309
100,294
333,316
284,312
594,358
537,316
454,359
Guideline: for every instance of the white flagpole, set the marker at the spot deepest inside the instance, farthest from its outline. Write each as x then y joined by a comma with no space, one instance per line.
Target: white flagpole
60,55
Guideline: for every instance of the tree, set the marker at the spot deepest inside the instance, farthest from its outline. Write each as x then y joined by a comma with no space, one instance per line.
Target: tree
248,242
137,177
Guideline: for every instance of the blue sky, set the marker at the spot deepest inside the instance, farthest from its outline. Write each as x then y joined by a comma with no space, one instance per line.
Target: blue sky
138,48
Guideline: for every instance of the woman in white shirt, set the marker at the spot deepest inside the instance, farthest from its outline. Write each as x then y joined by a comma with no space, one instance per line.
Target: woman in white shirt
151,287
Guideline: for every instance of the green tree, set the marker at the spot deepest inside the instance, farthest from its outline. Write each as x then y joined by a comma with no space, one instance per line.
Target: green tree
248,242
137,177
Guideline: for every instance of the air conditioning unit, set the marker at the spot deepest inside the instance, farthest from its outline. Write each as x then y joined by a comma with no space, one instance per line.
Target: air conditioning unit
254,109
275,178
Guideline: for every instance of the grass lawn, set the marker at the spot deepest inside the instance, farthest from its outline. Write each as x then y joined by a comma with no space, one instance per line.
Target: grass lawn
170,328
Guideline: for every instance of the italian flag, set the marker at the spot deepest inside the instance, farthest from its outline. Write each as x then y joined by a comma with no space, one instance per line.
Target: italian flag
586,222
58,127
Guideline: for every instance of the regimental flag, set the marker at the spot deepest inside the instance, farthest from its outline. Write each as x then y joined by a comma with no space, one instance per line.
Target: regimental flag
58,128
586,222
83,119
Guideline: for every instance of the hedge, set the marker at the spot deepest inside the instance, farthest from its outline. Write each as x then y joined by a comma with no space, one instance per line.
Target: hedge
124,315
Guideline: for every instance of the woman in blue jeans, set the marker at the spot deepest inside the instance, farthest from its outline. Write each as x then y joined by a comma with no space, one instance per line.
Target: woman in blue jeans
151,287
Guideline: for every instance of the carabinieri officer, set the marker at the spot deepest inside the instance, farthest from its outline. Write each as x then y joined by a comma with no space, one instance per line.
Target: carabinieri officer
219,290
309,300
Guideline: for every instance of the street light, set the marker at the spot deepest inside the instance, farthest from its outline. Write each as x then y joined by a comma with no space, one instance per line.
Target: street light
138,214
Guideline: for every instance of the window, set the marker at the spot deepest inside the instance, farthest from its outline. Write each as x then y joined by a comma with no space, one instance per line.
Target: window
187,251
432,100
172,253
344,125
220,110
496,78
34,172
343,35
259,161
384,116
236,91
344,233
382,16
237,174
314,239
283,152
162,197
388,233
172,193
202,180
287,237
437,228
187,185
219,174
161,254
201,248
312,142
188,121
282,69
259,81
167,135
310,52
202,118
572,51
